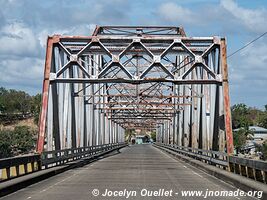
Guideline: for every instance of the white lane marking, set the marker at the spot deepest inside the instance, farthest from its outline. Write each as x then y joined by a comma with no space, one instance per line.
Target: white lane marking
183,165
29,197
57,183
165,153
74,174
197,174
168,156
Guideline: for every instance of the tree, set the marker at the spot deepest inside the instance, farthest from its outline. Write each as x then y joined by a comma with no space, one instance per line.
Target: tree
13,101
23,139
23,101
5,144
15,104
36,107
3,93
254,115
264,150
240,138
154,136
240,116
262,120
19,141
129,133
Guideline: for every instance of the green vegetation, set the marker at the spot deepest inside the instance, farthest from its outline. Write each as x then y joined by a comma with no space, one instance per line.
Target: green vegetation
243,117
15,142
13,102
263,118
36,107
129,133
14,106
264,150
153,136
240,137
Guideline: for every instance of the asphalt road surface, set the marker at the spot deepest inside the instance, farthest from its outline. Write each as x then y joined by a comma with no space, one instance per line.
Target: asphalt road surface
137,172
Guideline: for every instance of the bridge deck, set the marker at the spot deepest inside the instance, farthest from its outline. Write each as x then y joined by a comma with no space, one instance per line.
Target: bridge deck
135,168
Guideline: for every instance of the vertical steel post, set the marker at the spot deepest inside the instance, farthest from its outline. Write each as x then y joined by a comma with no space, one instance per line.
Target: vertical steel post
73,112
227,109
49,128
46,81
54,97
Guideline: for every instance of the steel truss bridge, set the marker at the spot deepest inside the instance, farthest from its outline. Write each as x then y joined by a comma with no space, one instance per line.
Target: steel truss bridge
123,78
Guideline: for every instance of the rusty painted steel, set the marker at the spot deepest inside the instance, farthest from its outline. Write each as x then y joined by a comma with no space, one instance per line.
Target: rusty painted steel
43,115
124,77
227,110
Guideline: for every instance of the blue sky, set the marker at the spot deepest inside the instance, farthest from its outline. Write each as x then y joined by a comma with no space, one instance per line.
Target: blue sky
25,24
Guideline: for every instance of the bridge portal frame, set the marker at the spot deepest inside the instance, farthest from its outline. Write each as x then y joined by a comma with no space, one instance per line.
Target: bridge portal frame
176,85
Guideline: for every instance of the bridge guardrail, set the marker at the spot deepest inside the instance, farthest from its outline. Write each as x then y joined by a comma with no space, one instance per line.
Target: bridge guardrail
55,158
210,157
17,166
21,165
254,169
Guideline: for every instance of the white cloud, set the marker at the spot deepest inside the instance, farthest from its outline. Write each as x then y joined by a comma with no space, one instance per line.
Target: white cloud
248,77
19,70
22,73
176,13
22,54
82,29
255,56
250,64
253,19
18,40
21,65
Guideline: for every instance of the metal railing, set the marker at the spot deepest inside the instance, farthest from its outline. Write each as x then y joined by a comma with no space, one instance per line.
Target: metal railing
21,165
254,169
55,158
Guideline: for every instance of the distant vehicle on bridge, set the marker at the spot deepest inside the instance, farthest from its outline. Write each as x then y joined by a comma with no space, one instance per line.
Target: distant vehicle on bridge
142,139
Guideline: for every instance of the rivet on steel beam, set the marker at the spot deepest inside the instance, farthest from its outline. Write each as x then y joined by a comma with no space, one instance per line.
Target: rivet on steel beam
198,59
115,58
135,77
156,59
219,78
95,39
216,40
136,40
52,76
177,40
73,58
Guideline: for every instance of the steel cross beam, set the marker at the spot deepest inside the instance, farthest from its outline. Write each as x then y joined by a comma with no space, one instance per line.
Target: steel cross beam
123,77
